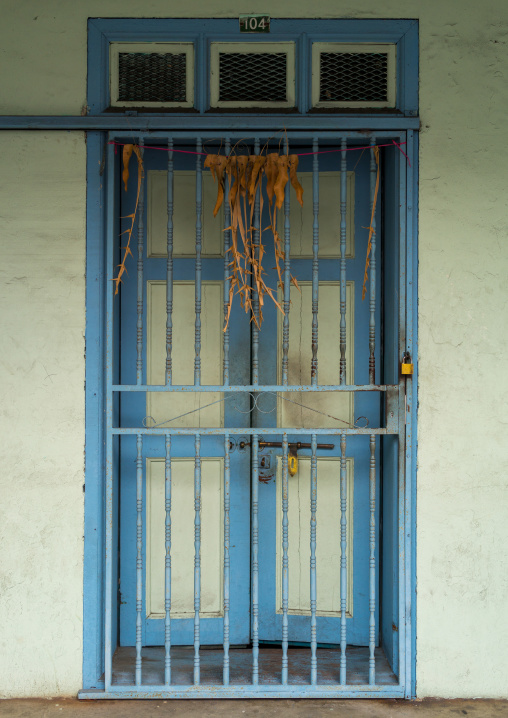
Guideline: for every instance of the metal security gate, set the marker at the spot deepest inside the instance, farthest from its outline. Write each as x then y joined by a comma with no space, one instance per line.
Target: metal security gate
219,442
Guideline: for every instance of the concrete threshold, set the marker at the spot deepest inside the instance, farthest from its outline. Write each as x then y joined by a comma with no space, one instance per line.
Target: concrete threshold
427,708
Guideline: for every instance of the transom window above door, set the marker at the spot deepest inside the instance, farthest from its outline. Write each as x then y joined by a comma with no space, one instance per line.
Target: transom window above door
197,66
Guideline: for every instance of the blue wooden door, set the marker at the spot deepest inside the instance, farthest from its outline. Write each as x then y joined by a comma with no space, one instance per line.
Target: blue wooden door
321,410
259,410
182,410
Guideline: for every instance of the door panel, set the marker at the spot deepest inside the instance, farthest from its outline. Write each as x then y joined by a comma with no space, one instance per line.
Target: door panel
182,544
161,406
323,407
327,552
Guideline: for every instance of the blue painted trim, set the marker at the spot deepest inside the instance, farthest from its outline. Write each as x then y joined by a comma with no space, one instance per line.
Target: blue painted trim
110,627
408,71
203,31
194,123
93,570
411,467
98,61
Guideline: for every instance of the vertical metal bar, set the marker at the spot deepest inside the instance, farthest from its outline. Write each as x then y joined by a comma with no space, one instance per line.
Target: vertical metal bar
372,266
411,398
372,561
227,488
167,577
199,203
287,283
139,555
315,262
255,560
197,555
403,269
109,592
411,394
285,561
255,297
227,272
169,268
343,558
140,282
343,235
313,583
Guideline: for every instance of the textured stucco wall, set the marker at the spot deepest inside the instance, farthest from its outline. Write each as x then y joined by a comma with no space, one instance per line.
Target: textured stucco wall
462,622
42,211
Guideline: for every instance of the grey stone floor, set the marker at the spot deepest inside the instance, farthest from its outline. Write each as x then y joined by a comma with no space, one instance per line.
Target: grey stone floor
429,708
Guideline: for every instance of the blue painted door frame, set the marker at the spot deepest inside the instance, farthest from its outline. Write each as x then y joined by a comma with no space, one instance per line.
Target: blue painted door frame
405,179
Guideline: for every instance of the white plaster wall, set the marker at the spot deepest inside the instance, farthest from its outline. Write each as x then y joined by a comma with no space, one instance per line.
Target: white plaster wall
42,240
462,621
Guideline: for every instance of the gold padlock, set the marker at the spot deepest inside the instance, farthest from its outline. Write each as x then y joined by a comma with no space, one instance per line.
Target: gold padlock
406,367
292,463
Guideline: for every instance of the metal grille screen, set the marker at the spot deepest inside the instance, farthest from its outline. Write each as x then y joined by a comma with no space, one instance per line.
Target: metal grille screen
252,77
353,77
151,77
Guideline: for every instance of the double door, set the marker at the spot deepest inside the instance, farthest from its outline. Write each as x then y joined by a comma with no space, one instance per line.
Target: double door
254,508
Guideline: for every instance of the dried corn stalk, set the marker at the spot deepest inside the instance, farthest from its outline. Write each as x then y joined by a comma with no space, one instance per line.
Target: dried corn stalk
244,175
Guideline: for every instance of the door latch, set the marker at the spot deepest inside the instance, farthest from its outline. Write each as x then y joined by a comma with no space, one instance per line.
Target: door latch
293,448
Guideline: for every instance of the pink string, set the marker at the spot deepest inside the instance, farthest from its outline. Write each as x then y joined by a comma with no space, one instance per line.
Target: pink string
301,154
398,144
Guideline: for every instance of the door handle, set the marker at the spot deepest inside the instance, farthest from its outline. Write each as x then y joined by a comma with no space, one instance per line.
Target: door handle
292,451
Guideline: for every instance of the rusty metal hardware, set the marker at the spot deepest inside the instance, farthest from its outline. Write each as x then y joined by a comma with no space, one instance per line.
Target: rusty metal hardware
292,451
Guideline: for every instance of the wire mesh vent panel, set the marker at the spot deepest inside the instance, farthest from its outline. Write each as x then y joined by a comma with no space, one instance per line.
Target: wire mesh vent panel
253,77
353,77
152,77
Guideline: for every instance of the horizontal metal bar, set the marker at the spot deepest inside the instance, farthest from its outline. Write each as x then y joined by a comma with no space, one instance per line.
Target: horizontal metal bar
298,445
242,691
248,388
330,135
145,123
221,431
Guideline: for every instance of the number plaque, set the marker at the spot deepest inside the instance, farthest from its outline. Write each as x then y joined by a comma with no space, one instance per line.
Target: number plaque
254,23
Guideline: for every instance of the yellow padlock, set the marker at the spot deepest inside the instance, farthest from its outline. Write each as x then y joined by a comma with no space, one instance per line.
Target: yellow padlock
292,463
406,367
